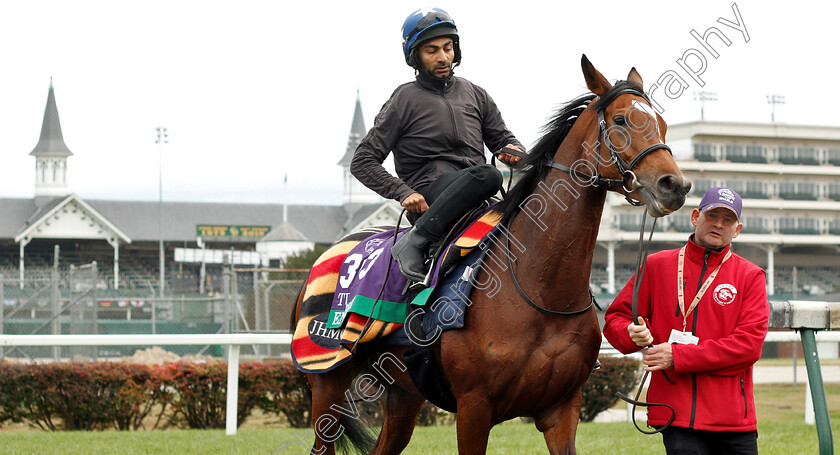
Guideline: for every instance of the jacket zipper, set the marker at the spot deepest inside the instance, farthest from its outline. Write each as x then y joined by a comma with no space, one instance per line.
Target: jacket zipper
694,330
744,394
451,111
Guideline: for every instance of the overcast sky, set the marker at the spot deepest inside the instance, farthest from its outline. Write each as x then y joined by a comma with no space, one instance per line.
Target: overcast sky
251,90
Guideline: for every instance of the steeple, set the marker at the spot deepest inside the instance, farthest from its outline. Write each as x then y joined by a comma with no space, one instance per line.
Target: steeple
357,133
354,192
51,154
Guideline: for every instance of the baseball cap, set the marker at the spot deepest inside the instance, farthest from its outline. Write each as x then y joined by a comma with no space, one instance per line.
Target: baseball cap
721,196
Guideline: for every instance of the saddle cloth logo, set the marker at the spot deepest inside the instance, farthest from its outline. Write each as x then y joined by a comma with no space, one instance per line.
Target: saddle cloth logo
724,294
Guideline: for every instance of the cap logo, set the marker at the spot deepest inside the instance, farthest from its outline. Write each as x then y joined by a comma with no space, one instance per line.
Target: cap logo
726,195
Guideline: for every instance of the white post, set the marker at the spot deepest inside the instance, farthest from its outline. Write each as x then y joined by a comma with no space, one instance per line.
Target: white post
116,246
22,245
611,267
232,390
771,270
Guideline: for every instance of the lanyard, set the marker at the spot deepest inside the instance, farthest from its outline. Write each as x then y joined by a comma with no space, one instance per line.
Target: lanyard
702,290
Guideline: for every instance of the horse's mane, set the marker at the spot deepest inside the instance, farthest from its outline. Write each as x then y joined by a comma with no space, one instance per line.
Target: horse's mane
536,163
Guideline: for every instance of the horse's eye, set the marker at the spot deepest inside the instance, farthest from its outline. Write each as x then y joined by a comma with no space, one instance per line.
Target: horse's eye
619,120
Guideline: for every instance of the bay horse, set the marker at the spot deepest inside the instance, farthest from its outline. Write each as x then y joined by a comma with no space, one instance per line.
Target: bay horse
527,348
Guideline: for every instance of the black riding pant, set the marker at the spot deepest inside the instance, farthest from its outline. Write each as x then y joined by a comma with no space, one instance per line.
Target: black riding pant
684,441
452,195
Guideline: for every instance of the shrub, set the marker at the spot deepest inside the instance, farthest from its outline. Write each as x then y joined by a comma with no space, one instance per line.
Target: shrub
617,374
282,389
200,391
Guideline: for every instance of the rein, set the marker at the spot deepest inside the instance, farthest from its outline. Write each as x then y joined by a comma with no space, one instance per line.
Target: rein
641,262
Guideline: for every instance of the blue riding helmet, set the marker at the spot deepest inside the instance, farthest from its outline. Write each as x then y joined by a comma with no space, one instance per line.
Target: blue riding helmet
423,25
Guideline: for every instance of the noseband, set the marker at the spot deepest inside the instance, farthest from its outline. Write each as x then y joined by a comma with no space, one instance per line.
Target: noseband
628,181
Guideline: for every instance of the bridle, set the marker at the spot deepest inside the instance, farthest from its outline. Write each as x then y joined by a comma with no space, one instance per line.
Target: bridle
625,169
628,181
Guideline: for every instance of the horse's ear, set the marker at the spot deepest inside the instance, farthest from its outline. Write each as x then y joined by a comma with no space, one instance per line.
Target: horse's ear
635,78
596,81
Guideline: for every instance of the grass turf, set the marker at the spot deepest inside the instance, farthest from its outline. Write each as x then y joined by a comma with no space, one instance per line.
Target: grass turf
781,431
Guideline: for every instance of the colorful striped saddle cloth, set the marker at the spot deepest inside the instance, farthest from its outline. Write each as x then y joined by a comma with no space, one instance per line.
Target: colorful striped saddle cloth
345,297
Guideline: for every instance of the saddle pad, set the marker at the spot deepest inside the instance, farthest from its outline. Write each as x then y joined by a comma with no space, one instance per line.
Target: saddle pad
360,287
342,290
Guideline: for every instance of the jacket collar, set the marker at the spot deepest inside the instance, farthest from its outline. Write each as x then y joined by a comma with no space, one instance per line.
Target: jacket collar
696,253
435,84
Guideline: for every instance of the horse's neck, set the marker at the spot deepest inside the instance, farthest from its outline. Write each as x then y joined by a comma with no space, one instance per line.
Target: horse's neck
559,244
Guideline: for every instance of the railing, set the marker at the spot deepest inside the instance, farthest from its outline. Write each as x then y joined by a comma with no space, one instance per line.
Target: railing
233,341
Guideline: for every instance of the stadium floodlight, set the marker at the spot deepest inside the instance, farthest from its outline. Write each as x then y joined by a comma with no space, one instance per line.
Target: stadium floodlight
703,97
162,138
773,100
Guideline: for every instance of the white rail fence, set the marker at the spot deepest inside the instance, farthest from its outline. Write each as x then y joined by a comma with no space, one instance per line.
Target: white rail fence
234,340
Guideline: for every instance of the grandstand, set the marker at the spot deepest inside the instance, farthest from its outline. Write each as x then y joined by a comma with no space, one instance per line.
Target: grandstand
789,178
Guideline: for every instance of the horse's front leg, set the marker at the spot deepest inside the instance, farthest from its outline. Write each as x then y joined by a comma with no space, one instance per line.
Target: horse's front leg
474,421
559,426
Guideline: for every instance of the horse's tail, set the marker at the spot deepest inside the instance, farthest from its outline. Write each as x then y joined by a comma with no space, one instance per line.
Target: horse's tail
356,436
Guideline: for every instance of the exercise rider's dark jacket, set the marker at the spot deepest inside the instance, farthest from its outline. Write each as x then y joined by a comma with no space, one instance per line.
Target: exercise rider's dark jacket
711,384
433,126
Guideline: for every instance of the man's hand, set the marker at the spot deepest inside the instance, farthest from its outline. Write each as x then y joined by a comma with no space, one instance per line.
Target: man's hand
640,334
659,357
415,202
507,157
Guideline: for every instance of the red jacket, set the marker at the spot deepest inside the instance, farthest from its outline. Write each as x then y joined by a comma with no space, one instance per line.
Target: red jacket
711,385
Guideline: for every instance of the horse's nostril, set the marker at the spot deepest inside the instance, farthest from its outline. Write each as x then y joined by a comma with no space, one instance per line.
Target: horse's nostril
668,182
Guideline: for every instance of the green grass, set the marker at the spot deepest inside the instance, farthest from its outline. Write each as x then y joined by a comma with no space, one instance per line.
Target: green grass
782,431
775,438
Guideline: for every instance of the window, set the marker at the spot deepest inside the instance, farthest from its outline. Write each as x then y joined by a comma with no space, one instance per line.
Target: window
700,186
704,152
807,155
755,225
682,223
755,154
735,153
755,189
787,155
833,191
833,156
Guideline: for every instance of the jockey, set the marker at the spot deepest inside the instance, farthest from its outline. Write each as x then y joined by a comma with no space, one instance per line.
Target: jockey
436,126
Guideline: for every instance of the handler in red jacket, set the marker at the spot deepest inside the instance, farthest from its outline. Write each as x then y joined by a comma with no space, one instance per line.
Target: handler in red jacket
703,312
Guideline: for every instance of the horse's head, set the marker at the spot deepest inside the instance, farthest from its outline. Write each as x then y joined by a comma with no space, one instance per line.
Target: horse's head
630,143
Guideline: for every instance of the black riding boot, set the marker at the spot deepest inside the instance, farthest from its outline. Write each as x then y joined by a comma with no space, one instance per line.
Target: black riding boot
410,254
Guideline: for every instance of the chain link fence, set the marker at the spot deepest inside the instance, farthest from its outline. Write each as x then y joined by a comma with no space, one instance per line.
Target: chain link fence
74,301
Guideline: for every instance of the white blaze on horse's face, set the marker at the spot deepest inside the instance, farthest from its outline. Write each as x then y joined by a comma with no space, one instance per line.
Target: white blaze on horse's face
649,127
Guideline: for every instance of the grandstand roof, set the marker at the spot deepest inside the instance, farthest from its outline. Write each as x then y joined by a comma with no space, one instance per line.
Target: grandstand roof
139,219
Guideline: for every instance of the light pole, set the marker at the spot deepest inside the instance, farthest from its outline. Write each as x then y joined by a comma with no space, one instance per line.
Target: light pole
703,97
162,138
773,100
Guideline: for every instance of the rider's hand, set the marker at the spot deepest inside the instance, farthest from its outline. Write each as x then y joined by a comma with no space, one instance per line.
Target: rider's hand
415,202
507,157
640,334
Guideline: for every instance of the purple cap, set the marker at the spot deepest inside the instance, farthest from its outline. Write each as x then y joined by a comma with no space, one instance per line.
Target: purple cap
721,196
